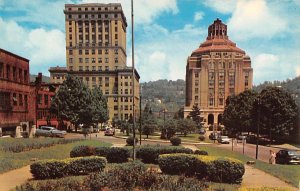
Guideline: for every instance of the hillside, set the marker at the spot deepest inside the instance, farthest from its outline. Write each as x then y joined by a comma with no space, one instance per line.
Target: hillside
164,94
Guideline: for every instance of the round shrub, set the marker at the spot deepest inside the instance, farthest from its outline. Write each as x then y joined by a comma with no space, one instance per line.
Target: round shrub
175,141
85,165
201,137
179,164
102,151
225,170
48,169
149,154
82,151
129,141
117,155
198,152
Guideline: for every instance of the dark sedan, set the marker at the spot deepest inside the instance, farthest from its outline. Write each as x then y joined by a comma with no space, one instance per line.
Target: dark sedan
287,157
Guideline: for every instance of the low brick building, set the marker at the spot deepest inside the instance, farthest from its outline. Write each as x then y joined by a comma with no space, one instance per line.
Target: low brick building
17,111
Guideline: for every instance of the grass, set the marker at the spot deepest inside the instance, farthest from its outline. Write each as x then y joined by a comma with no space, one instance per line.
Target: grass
10,161
287,173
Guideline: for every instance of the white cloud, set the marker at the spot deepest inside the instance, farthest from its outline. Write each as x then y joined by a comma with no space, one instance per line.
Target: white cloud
145,11
43,48
198,16
223,6
255,19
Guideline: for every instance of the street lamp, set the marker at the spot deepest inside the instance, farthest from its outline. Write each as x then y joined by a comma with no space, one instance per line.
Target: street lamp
258,121
133,79
141,87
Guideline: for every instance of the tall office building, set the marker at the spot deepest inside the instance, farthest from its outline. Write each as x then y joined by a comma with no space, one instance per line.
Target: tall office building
96,53
217,69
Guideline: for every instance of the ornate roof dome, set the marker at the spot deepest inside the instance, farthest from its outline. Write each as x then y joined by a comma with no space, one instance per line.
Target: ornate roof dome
217,40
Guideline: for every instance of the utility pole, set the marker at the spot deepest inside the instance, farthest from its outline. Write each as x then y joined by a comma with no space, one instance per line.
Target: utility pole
141,114
258,121
133,79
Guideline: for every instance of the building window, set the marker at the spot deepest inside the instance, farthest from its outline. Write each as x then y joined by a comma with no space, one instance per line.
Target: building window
115,99
86,60
87,68
99,60
20,100
14,73
196,90
106,68
46,99
80,68
116,36
106,60
5,100
1,70
106,81
39,99
99,68
20,75
116,51
221,101
115,107
86,51
70,60
196,74
80,51
116,60
71,68
126,107
80,60
26,101
196,98
99,51
211,101
106,51
93,68
93,60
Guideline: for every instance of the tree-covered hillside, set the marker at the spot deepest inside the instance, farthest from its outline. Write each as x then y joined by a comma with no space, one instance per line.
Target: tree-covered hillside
164,94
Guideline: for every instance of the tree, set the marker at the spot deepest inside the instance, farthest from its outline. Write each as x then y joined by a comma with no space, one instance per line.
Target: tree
237,113
149,121
100,109
73,102
185,126
179,114
169,129
195,115
278,112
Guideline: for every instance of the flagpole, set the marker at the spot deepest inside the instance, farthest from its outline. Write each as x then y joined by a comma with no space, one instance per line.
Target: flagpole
133,79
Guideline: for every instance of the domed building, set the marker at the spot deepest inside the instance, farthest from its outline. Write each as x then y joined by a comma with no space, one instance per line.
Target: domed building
217,69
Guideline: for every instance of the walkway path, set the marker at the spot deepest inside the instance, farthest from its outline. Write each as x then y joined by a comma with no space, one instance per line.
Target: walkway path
11,179
254,178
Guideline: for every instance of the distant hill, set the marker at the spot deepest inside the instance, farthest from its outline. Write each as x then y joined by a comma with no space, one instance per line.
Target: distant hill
164,94
45,79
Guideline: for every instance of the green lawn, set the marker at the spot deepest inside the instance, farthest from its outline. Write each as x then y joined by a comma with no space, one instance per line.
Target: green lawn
288,173
10,161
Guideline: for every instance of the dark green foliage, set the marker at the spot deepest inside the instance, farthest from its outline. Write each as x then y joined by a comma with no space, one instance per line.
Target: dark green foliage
237,116
169,128
185,126
130,139
117,155
227,171
85,165
82,151
63,184
201,137
100,109
102,151
149,154
212,168
179,164
149,121
58,168
198,152
48,169
121,177
175,141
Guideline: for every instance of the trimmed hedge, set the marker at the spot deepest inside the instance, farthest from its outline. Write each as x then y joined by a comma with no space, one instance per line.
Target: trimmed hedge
150,154
198,152
82,151
117,155
217,169
129,141
175,141
74,166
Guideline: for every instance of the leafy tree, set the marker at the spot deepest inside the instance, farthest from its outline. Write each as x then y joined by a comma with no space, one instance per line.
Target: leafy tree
100,109
278,112
168,130
149,121
73,102
185,126
195,115
179,114
237,116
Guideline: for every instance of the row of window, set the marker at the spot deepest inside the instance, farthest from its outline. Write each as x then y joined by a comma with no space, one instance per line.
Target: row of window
92,38
212,65
44,98
92,16
93,8
13,73
6,101
125,107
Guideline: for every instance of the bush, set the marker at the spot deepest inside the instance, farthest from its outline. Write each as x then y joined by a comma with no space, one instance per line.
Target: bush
201,137
178,164
58,168
225,170
85,165
102,151
48,169
120,177
82,151
215,169
117,155
198,152
149,154
129,141
175,141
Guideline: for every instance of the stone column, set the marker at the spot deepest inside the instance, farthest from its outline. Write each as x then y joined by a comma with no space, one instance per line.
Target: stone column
18,132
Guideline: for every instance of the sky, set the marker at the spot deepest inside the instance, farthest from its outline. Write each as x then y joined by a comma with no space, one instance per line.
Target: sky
166,32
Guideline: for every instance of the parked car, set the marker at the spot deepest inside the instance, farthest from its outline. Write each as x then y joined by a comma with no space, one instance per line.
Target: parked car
214,136
240,138
287,157
109,132
48,131
202,131
223,139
